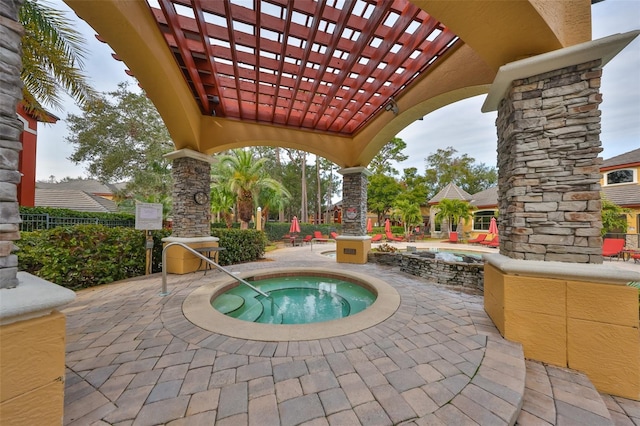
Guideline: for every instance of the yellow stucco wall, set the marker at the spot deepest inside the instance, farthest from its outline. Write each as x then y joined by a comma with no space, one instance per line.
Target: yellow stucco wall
32,371
586,326
356,250
180,261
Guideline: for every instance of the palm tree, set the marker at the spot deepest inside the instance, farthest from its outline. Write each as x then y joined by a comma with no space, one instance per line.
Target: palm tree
408,213
246,177
52,59
454,211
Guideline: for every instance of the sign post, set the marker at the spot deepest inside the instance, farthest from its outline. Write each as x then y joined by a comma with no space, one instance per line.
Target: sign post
148,218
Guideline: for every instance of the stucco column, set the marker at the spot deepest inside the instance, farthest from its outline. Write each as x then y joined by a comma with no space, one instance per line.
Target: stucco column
354,200
191,177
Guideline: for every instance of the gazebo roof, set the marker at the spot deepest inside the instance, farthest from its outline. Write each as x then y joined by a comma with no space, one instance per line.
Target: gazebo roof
338,78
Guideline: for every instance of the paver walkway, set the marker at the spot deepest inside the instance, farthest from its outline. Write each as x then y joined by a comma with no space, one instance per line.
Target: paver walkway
134,359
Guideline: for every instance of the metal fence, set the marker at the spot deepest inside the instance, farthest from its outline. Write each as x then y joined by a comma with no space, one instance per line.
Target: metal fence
32,222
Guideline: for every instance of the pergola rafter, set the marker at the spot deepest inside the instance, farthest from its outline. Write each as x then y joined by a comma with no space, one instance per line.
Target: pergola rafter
325,66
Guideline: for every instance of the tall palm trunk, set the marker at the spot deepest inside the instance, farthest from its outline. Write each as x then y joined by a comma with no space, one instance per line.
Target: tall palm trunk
318,193
303,181
11,93
279,165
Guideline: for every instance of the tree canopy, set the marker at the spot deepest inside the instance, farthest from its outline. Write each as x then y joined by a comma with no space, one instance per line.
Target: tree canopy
392,151
121,137
444,167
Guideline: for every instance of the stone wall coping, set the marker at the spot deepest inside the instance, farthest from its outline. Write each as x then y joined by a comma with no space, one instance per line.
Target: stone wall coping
604,48
189,153
32,298
353,170
590,272
353,238
186,240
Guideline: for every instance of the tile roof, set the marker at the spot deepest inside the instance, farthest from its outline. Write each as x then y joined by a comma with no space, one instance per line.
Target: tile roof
74,200
91,186
630,157
451,192
623,195
486,198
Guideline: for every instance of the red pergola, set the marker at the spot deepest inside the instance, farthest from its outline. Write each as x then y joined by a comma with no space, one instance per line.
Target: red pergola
328,66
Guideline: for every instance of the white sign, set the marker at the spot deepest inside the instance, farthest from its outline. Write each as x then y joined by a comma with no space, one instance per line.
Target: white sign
148,216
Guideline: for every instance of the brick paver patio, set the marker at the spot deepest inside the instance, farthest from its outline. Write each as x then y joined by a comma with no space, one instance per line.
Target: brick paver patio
134,359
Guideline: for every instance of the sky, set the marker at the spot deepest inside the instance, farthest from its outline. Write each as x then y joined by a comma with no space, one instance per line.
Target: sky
460,125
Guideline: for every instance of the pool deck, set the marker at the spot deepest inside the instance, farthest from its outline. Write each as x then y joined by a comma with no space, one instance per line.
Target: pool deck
134,359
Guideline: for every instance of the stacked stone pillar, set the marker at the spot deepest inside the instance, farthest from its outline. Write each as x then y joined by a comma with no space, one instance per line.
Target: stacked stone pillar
191,175
10,145
354,200
548,167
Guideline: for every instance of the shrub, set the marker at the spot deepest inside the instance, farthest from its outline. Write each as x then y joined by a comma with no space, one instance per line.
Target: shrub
240,245
87,255
83,255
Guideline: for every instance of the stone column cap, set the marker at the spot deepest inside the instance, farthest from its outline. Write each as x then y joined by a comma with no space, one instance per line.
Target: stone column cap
590,272
604,48
354,170
32,298
353,237
189,153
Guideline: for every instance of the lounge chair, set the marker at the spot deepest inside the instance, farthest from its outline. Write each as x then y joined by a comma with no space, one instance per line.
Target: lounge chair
392,238
334,235
376,238
487,242
495,242
453,238
478,240
307,239
317,235
612,247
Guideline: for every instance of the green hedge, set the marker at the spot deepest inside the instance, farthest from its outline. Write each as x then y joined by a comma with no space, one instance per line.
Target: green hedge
87,255
51,211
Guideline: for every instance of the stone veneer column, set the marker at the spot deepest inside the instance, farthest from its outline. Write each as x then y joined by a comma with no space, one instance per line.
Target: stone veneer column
191,174
548,167
10,145
354,200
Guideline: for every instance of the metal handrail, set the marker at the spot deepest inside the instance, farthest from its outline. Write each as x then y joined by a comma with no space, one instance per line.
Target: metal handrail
211,262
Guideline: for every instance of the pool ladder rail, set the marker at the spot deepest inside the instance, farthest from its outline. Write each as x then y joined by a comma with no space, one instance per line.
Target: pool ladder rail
165,292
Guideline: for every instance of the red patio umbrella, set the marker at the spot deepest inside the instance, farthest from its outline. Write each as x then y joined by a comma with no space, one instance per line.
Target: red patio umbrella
369,226
295,226
493,226
387,226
